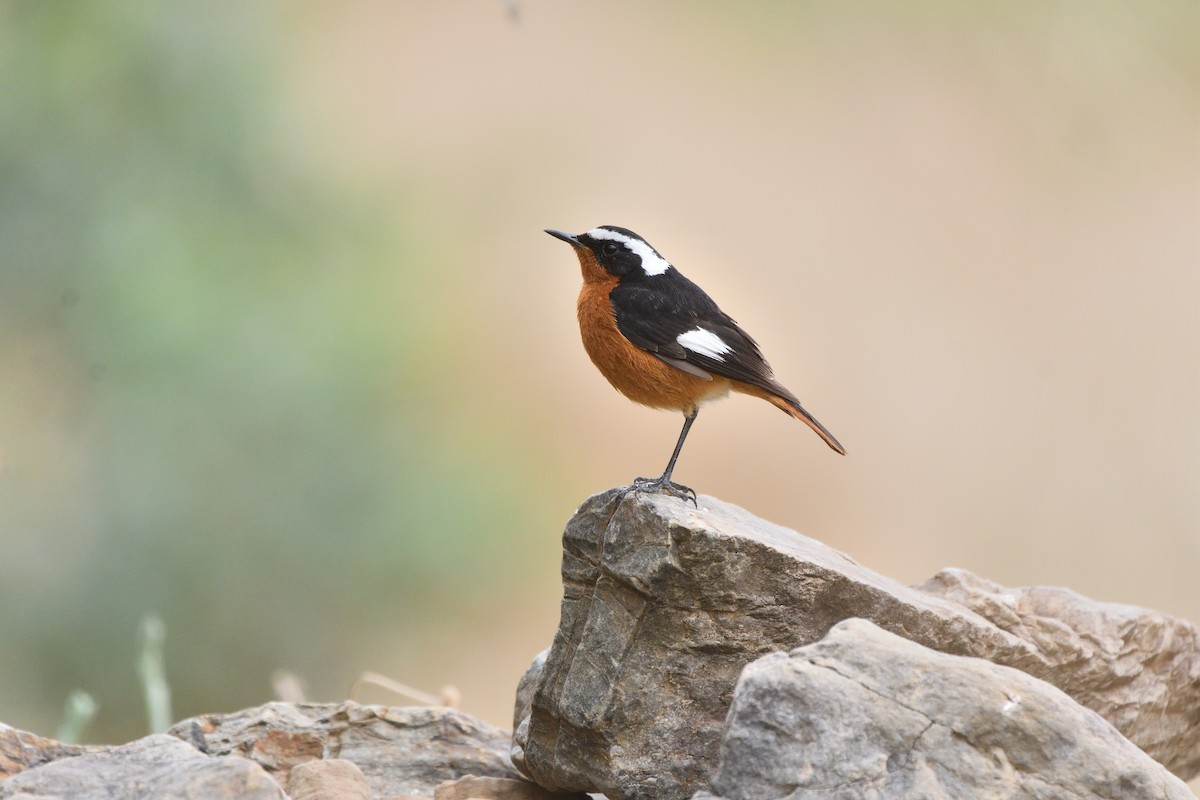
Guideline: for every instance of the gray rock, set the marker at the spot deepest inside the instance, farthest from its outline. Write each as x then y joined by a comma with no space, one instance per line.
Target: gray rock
663,606
524,701
401,751
157,766
22,750
526,687
1137,668
867,714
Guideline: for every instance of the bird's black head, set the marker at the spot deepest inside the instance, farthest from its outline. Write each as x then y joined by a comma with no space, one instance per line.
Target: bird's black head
619,251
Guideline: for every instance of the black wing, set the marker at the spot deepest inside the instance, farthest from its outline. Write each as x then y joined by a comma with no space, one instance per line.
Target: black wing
653,316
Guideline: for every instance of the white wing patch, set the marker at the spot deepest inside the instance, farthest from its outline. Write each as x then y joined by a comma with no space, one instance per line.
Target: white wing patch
652,262
705,343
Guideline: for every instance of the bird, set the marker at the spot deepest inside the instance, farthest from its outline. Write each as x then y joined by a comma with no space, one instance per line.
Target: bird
661,341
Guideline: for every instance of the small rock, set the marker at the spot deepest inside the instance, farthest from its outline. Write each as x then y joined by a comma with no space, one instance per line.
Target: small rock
526,687
524,701
401,751
332,779
867,714
21,750
156,766
476,788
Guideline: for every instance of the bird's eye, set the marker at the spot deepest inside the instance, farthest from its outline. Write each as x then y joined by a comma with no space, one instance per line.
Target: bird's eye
609,249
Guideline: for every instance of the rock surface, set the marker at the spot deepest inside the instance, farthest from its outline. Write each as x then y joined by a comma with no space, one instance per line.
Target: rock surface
664,604
22,750
328,779
401,751
474,788
867,714
1137,668
158,766
526,687
522,706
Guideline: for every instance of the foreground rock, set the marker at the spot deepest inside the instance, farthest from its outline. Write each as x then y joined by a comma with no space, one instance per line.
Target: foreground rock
1137,668
401,751
867,714
156,766
664,604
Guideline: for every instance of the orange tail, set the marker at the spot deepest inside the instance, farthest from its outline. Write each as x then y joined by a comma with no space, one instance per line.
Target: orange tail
786,402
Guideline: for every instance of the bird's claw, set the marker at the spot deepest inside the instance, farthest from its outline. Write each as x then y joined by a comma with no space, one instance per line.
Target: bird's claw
662,485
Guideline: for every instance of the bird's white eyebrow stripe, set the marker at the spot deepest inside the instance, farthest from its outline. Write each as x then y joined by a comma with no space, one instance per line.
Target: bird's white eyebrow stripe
704,342
652,262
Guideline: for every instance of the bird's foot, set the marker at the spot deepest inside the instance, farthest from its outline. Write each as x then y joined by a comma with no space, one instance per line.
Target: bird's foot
664,485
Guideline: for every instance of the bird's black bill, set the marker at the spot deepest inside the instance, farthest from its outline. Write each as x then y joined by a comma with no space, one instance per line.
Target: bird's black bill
566,237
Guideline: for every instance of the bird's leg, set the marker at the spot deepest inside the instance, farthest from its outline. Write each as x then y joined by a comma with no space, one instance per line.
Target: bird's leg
663,483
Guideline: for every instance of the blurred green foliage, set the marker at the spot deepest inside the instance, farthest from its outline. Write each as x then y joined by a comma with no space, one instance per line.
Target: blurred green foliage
216,370
78,711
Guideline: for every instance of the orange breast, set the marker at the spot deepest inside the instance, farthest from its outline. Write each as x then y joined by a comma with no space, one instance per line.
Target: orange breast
631,370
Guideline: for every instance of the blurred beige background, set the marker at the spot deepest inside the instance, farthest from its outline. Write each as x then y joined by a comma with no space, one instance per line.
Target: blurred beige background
965,235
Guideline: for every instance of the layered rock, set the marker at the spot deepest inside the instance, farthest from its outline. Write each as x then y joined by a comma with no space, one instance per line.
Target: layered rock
868,715
664,604
156,766
1139,669
401,751
22,750
318,751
